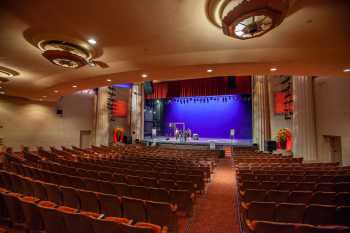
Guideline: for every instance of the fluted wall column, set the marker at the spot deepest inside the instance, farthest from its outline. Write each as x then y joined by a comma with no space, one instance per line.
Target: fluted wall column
304,130
137,106
102,119
261,112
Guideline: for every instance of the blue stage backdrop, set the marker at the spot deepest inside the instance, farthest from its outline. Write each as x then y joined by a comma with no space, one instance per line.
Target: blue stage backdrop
212,116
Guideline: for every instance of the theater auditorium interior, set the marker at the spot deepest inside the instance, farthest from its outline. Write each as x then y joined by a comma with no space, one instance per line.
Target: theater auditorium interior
174,116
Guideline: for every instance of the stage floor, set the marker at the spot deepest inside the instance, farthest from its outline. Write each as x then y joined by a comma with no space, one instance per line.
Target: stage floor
201,141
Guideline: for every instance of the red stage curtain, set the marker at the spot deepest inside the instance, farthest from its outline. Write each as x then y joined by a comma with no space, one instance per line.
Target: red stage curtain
200,87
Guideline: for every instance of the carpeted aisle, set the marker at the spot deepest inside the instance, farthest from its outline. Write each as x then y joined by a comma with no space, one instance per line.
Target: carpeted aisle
216,211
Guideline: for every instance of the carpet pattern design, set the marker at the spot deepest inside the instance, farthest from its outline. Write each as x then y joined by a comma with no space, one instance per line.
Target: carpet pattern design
216,211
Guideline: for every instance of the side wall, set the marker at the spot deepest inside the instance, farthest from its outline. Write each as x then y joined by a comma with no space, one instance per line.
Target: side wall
332,107
37,124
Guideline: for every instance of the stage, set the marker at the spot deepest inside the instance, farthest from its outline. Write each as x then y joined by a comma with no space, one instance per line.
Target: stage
219,142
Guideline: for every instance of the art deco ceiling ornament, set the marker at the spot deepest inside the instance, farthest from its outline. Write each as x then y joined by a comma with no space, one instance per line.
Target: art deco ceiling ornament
68,54
247,19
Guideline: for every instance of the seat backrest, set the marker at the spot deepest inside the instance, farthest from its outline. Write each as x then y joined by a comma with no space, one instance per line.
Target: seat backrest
88,201
107,187
53,193
92,184
134,209
342,187
75,222
306,228
342,215
342,198
290,212
250,195
162,214
110,205
320,215
159,194
323,198
122,189
299,196
183,200
127,228
53,220
14,207
325,187
70,197
269,227
33,219
140,192
306,186
277,196
105,226
264,211
39,190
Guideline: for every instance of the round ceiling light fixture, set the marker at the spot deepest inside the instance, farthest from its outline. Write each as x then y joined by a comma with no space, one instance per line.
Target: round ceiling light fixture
247,19
5,74
66,54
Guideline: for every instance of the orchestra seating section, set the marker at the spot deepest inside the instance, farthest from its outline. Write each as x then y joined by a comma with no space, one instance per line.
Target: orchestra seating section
283,194
127,189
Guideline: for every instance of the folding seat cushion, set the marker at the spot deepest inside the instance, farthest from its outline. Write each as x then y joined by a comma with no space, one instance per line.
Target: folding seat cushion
271,227
70,197
53,193
168,184
53,220
250,195
107,225
300,196
290,212
159,194
14,208
264,211
342,198
133,180
134,209
343,216
162,214
110,205
320,215
107,187
32,216
287,186
88,201
74,221
306,228
92,184
149,182
342,187
122,189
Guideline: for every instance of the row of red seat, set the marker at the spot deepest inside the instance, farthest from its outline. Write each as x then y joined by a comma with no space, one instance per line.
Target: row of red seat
334,219
88,201
304,197
34,215
181,197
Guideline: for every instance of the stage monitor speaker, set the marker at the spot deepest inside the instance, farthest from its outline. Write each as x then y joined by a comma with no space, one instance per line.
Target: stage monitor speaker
271,145
148,87
231,82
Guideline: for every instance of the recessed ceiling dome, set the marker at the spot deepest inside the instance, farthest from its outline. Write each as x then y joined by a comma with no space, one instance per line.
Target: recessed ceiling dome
246,19
65,54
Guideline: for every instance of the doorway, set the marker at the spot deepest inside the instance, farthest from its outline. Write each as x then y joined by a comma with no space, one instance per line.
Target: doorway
85,139
334,148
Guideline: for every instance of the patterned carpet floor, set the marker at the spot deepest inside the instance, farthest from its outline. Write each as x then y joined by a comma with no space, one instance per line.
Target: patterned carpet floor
216,211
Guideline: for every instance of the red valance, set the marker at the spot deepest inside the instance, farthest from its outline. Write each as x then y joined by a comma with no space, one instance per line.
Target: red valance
200,87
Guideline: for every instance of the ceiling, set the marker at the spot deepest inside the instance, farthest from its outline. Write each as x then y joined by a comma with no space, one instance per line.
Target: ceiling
167,39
